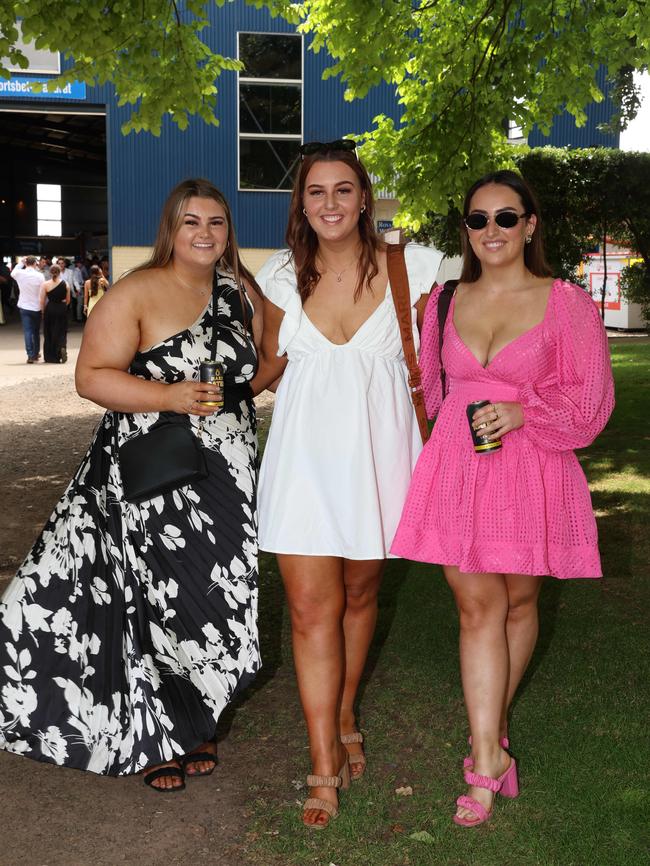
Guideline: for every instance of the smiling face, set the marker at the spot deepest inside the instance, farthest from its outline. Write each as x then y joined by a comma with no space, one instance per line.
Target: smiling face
332,200
494,245
202,236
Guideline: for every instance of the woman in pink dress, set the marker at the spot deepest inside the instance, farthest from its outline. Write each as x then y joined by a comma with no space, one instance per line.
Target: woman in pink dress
499,520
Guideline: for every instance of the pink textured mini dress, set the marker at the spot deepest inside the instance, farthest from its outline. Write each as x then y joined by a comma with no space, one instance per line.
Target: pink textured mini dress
526,508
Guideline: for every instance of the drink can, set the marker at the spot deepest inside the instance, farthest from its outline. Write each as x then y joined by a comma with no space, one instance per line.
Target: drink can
482,445
212,372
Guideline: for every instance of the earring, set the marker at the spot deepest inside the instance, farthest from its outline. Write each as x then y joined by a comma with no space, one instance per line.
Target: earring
363,208
529,239
304,210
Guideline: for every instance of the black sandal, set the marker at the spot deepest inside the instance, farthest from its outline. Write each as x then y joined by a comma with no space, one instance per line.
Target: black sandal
195,757
166,773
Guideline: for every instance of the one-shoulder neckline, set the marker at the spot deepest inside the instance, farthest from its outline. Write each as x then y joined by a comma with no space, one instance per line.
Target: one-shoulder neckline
178,333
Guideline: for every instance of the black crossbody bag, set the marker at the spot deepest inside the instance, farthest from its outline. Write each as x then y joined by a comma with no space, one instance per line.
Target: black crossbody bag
168,455
444,301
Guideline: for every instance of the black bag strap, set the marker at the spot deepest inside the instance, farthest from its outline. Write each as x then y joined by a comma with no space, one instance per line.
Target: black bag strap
444,301
213,335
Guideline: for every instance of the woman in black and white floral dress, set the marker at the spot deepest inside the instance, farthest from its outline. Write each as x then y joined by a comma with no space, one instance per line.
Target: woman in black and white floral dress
129,628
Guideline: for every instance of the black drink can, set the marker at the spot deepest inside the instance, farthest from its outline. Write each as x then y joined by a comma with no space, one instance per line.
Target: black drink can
482,445
212,372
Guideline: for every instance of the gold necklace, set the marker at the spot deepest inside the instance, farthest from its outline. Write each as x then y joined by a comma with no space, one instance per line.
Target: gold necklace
338,274
187,285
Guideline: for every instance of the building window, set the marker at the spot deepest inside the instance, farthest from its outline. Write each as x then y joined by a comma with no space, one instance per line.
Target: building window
515,132
48,209
270,109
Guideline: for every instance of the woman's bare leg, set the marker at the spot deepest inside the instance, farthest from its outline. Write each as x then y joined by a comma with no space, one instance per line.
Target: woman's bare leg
522,628
482,602
361,579
316,599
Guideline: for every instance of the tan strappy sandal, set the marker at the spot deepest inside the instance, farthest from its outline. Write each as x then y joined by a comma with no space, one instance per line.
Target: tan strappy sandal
340,781
356,759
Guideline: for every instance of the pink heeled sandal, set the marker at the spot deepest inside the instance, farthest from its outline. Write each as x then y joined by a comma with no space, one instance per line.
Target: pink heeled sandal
468,762
507,785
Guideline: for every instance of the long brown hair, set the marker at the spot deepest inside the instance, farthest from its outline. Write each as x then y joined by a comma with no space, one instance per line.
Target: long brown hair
95,277
302,240
534,256
170,222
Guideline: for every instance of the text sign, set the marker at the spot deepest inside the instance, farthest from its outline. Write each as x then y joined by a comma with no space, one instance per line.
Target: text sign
19,87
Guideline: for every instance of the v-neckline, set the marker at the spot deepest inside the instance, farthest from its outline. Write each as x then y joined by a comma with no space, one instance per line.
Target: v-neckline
360,328
507,345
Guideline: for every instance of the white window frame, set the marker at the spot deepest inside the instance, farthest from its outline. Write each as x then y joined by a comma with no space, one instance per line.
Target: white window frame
260,136
41,61
44,223
515,132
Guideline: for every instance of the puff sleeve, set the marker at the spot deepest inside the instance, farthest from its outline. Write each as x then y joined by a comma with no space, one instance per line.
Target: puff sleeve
429,355
422,265
277,280
572,405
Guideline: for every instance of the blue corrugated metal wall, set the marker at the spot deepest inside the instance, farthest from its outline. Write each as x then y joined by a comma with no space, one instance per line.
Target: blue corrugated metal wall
564,131
144,168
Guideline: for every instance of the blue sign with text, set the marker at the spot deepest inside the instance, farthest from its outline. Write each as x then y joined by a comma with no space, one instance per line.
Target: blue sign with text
18,87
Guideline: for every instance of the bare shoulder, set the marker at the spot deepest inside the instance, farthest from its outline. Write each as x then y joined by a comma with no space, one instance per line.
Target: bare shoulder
135,290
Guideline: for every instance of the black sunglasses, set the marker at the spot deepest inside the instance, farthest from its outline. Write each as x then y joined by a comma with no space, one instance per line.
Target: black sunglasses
506,219
312,147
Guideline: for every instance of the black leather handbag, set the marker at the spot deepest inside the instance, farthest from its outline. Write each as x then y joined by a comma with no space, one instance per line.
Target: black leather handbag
168,455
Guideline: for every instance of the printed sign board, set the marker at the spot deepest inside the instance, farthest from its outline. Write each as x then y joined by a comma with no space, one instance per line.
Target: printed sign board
20,87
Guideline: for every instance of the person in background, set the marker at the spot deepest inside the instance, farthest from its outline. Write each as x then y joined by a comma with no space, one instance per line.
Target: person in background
67,272
500,513
77,290
103,264
44,264
94,289
7,287
30,281
55,298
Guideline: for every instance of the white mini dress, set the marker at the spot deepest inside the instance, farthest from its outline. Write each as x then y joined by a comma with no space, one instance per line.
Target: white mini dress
344,437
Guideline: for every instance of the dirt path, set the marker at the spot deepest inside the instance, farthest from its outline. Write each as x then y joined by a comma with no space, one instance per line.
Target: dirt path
56,817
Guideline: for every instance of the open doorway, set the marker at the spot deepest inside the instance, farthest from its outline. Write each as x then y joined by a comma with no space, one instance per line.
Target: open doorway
53,186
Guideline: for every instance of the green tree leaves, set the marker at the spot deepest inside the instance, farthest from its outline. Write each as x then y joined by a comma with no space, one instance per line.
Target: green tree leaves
460,70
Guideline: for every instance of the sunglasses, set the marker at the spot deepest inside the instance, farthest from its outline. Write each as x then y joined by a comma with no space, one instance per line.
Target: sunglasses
507,219
312,147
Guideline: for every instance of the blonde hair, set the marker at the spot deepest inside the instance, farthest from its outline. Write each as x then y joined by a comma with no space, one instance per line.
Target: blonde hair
170,222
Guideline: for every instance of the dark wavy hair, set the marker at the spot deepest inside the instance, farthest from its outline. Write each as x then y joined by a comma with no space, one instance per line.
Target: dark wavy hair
302,240
534,256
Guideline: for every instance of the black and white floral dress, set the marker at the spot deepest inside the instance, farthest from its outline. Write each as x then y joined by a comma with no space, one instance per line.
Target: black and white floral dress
129,628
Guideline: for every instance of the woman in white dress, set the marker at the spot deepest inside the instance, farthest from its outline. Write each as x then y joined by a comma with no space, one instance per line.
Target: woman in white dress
342,445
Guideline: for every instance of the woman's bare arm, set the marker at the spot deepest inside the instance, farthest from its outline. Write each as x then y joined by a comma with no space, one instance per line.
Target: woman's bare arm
110,341
270,366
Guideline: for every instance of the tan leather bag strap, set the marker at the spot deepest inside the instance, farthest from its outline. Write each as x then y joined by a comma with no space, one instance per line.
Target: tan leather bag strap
399,286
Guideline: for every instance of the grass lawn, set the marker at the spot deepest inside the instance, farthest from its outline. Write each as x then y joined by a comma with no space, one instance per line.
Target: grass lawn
579,728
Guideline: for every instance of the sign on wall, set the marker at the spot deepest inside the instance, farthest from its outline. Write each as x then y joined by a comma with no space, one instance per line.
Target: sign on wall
20,87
